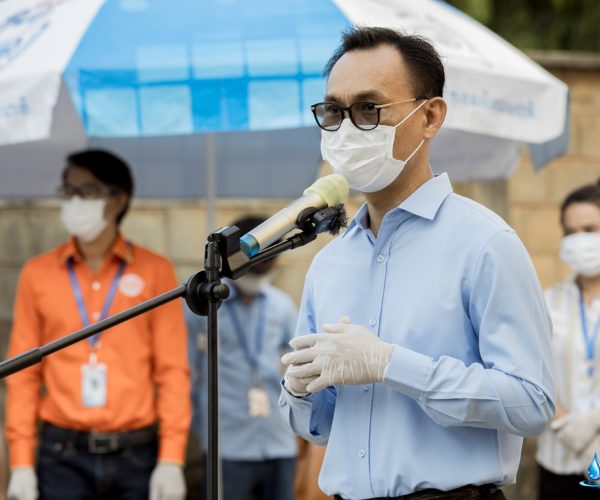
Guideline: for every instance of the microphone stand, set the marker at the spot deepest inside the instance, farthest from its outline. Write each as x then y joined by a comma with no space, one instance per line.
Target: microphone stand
204,293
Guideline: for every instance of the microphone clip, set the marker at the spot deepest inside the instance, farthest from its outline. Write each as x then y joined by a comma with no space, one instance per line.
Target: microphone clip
329,219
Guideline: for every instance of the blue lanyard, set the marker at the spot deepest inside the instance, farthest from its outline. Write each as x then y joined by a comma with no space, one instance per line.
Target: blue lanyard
590,342
252,357
107,302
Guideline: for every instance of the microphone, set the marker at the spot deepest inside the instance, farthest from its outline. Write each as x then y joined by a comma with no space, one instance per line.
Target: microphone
325,192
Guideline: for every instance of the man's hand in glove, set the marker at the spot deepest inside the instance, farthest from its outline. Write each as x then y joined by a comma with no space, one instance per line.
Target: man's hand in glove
167,482
345,354
23,484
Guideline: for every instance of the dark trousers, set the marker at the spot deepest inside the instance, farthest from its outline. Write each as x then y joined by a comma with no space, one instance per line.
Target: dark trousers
67,472
469,492
564,487
260,480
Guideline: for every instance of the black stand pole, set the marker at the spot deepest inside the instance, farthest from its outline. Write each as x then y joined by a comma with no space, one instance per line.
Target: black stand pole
215,293
204,292
33,356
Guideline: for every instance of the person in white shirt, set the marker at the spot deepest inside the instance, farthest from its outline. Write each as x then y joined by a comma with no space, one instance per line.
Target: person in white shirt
567,447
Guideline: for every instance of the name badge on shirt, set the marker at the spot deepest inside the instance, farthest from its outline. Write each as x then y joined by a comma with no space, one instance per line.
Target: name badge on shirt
93,384
258,402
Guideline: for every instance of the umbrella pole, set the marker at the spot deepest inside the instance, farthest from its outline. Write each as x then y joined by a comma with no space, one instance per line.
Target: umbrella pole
211,183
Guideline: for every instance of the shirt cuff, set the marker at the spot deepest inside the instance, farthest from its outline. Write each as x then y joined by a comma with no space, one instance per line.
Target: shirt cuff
171,450
408,372
22,454
290,397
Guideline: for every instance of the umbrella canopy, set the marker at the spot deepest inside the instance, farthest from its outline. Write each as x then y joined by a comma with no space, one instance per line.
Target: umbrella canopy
147,78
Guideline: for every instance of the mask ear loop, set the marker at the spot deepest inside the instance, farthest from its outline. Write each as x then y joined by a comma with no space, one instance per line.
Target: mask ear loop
410,114
415,151
406,118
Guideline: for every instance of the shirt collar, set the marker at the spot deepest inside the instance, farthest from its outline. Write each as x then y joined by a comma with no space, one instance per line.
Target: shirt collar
120,249
424,202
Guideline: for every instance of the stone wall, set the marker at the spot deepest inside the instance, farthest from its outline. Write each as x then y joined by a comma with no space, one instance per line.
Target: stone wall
533,199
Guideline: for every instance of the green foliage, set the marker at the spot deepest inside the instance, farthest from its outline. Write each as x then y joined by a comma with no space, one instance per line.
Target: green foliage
540,24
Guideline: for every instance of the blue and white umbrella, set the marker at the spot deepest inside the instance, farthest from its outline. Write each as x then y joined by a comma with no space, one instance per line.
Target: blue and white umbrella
153,79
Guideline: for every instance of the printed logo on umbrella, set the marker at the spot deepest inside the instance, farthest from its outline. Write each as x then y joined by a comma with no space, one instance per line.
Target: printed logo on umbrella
22,29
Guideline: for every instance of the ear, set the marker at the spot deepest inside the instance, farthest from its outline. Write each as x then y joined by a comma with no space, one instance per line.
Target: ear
435,113
115,205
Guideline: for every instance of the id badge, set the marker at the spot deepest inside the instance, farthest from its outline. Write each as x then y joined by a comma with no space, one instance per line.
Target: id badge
258,402
93,384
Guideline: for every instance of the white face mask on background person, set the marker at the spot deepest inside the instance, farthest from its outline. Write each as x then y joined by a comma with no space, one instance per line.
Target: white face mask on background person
581,252
365,157
252,284
83,219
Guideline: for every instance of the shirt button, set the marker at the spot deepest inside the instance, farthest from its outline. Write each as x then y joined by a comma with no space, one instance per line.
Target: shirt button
362,453
96,286
380,258
366,388
372,322
96,316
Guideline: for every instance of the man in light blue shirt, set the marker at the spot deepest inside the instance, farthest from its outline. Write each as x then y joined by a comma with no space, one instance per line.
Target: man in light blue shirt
422,352
256,323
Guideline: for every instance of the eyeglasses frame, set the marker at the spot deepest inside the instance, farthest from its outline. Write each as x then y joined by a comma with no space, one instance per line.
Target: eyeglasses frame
347,109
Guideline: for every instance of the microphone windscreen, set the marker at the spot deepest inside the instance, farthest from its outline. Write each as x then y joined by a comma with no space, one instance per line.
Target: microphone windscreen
332,188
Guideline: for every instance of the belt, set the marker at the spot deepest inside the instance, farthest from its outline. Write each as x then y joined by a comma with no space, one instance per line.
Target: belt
100,443
469,492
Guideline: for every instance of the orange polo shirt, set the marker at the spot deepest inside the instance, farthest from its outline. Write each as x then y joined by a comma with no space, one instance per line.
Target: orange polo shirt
146,357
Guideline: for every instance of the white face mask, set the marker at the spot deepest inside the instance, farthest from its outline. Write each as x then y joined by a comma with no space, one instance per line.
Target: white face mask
365,157
84,219
581,252
252,284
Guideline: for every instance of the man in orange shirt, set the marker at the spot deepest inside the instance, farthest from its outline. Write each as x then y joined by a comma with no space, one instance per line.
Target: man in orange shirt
114,409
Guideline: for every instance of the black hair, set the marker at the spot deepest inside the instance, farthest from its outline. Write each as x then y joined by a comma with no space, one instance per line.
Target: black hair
108,168
590,193
248,223
419,55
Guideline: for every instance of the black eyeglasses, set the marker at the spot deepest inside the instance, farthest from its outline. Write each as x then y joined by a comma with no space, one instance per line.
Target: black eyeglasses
85,191
364,115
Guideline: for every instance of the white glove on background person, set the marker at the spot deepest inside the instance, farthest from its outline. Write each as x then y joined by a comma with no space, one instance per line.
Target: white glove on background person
576,430
23,484
346,354
167,482
587,455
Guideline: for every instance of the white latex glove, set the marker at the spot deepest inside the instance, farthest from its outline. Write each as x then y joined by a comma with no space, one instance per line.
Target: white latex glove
23,484
576,430
345,355
587,455
167,482
296,386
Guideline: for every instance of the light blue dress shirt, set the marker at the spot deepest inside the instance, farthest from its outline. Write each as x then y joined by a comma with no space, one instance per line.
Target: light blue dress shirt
243,437
452,287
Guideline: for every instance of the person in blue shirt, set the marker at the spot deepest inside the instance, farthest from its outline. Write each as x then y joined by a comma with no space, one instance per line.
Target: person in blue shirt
422,354
256,323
